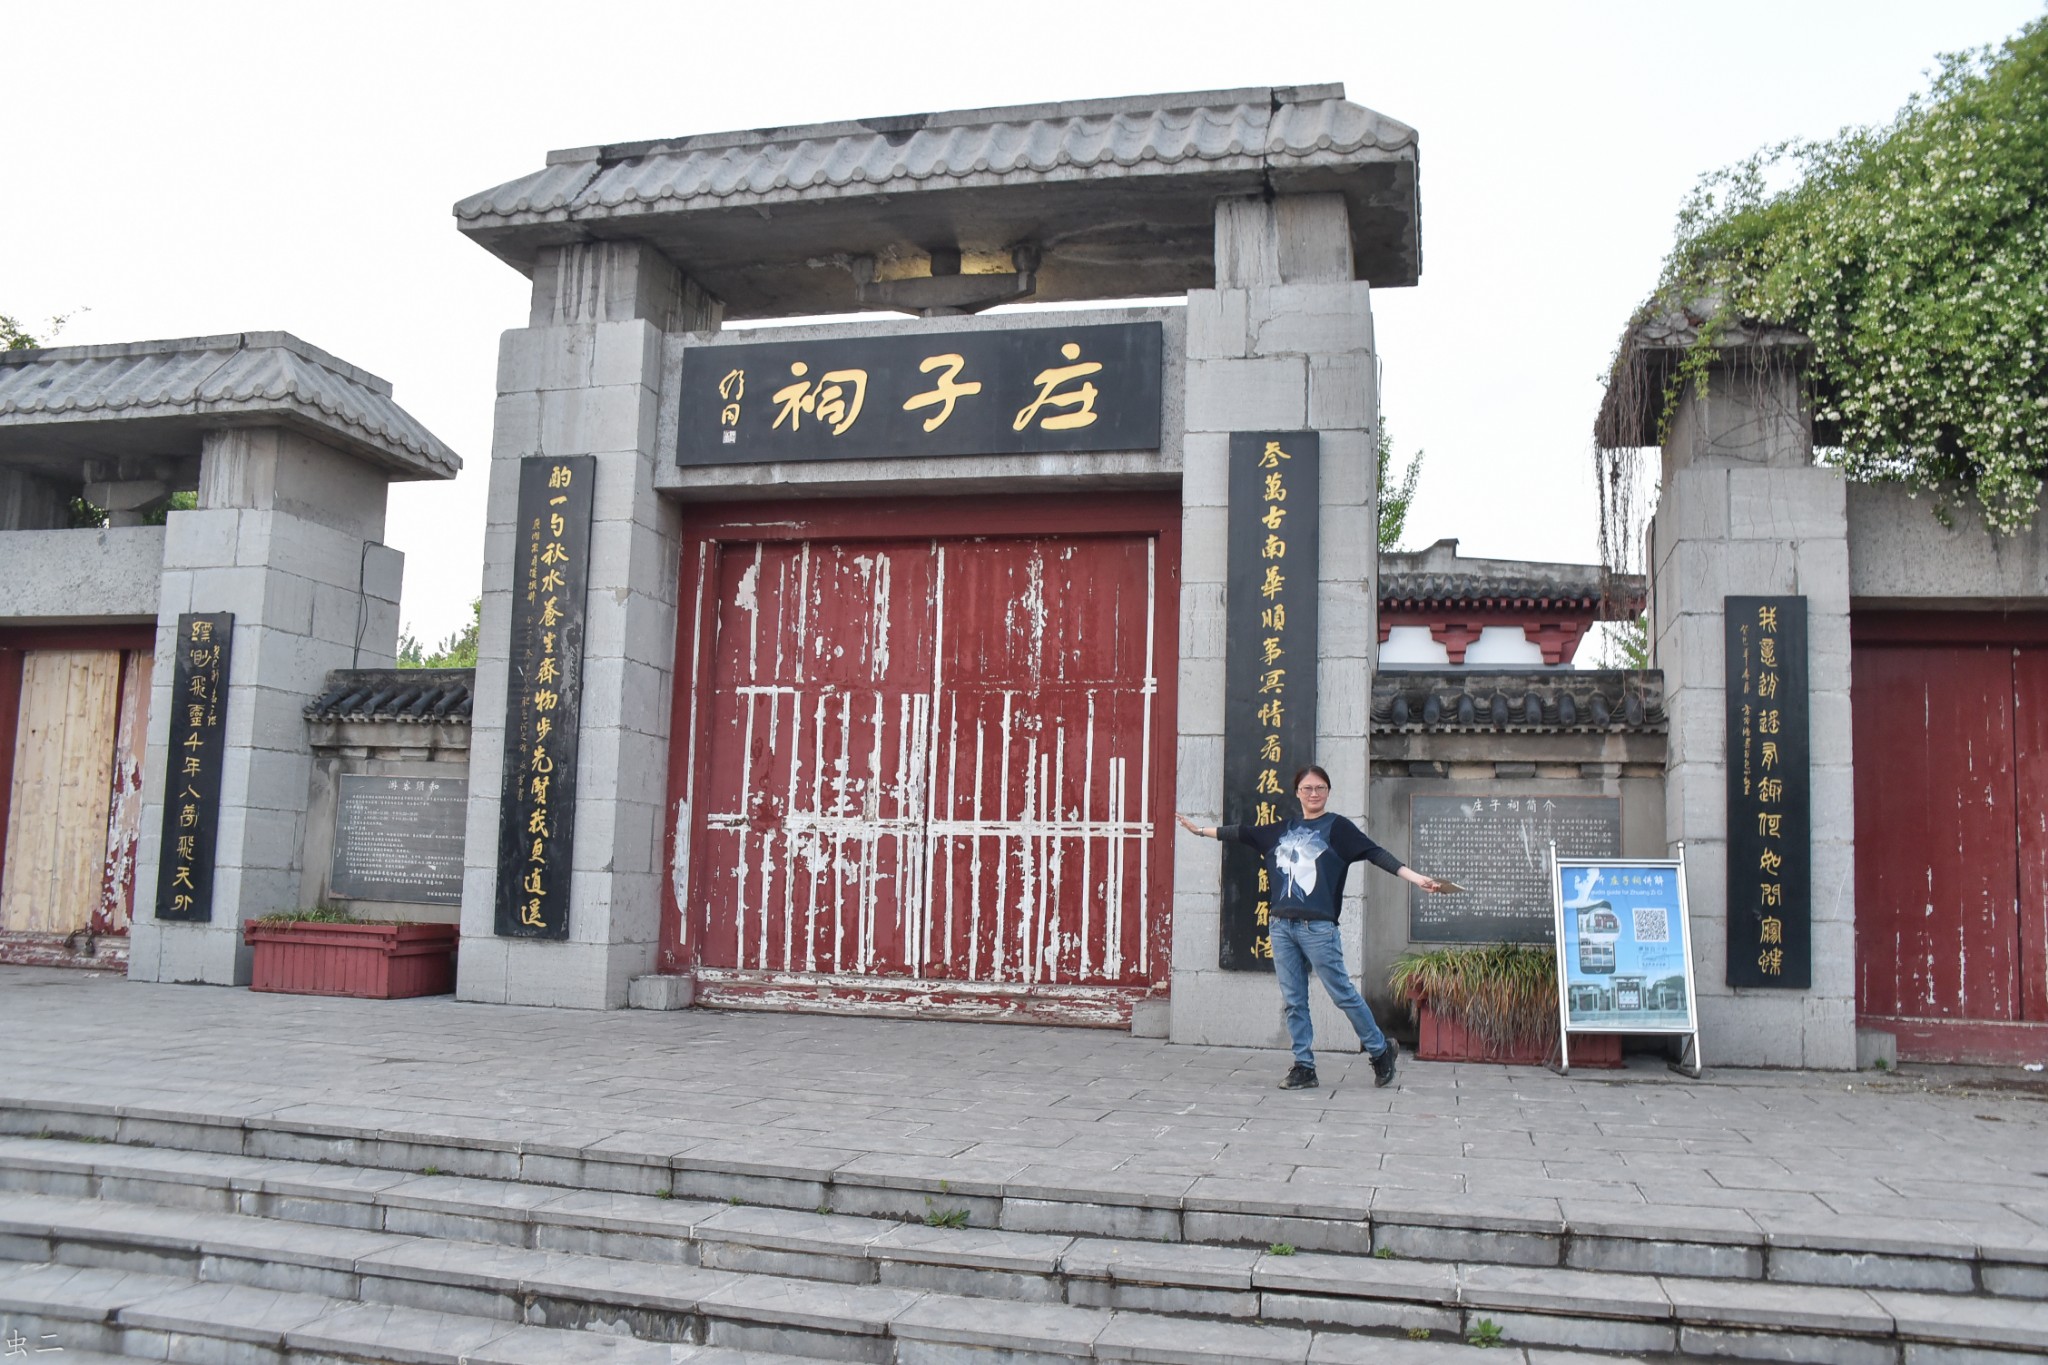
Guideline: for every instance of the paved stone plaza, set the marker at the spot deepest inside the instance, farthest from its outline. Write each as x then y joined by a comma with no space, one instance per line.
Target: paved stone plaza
1900,1155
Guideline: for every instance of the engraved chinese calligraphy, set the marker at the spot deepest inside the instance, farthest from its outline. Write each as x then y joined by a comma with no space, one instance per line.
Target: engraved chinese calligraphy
995,392
1770,794
537,809
1269,675
199,696
1498,849
399,838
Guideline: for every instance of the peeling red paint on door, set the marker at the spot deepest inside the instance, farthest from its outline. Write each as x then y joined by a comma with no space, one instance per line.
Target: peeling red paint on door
1951,745
928,761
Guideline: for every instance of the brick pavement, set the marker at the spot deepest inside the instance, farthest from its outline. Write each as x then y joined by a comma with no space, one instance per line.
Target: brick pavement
1076,1108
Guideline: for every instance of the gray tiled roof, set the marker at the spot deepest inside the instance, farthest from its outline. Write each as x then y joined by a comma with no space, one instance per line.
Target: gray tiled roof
415,696
161,395
1532,700
1177,152
978,147
1439,576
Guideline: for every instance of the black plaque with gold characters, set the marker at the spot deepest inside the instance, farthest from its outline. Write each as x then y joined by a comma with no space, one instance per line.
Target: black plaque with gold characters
1770,795
543,700
1010,392
1269,672
199,703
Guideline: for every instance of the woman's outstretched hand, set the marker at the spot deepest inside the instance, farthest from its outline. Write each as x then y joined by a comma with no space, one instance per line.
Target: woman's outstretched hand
1188,825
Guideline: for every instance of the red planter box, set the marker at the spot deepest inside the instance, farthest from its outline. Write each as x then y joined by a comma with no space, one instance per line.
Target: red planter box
367,961
1447,1040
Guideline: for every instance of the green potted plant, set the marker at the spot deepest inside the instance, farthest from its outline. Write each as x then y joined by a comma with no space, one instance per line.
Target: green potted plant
1492,1003
331,952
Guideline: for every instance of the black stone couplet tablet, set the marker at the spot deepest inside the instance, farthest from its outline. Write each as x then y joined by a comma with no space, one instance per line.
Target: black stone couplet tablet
544,696
1498,849
1004,392
199,721
399,838
1770,794
1269,674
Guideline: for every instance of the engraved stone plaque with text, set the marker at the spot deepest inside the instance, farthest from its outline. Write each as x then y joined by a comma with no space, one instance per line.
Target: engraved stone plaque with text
1498,849
400,838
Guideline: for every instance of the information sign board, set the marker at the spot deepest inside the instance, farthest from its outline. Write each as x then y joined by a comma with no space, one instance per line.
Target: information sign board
1624,948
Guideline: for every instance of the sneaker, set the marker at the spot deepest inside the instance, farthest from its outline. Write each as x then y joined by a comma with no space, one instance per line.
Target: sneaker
1383,1065
1300,1078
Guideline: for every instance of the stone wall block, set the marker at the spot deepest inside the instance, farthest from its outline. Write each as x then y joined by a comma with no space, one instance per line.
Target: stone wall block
1697,794
480,968
1762,568
1834,880
1204,544
1821,568
1345,627
1205,469
1693,506
1202,621
202,538
1755,1028
1247,395
1344,699
1698,727
1786,504
587,421
1314,239
1693,579
1201,700
1217,324
1341,392
515,427
1198,779
1197,930
627,352
1328,319
1350,478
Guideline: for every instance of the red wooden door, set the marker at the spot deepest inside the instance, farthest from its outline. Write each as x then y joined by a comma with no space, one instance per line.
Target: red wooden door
1951,745
2030,745
1937,932
927,768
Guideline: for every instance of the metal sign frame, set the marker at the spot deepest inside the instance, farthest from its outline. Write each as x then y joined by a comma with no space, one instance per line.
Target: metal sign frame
1690,1028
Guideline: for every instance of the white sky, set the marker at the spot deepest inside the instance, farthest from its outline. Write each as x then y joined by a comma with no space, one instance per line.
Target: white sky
183,169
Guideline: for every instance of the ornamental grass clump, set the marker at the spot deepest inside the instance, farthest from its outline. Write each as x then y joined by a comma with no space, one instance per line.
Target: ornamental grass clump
1505,993
1914,257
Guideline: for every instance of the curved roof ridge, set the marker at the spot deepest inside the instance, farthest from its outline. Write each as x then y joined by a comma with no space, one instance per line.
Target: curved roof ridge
235,379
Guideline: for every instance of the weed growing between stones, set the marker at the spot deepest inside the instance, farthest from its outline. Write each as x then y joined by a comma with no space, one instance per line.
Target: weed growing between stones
1281,1249
1485,1332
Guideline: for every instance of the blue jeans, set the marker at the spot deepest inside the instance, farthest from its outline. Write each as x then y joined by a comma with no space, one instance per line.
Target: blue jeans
1298,945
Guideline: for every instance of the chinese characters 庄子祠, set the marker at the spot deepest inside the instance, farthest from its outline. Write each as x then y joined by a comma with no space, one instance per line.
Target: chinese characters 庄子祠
1064,399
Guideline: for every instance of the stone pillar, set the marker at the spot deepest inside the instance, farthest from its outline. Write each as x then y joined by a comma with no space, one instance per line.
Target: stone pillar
287,537
1744,511
584,378
1282,343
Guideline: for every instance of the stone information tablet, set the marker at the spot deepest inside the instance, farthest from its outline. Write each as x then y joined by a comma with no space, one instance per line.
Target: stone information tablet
199,705
1498,849
544,696
399,838
1770,794
1269,667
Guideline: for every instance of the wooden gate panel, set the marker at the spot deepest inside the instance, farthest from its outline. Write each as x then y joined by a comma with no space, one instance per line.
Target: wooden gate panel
63,768
811,832
927,760
1937,933
124,806
1045,843
2030,771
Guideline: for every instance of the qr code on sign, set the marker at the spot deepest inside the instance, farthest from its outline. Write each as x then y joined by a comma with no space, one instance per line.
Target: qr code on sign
1653,926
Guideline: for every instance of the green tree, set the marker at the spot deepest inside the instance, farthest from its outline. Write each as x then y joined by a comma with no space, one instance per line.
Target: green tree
1915,258
1396,496
458,650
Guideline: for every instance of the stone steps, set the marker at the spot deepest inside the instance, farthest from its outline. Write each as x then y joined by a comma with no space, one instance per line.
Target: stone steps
842,1287
91,1314
1690,1241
